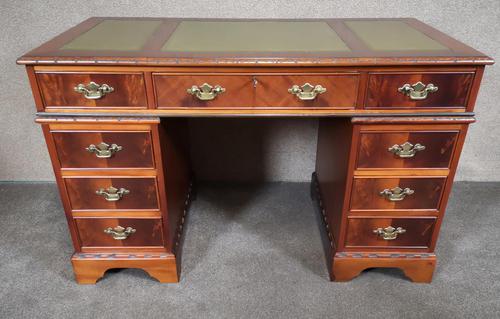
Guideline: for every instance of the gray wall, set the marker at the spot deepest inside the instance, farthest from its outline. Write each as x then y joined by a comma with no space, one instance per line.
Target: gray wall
280,149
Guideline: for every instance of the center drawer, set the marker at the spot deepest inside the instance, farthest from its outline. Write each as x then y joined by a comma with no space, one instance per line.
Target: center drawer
396,193
112,193
328,90
116,232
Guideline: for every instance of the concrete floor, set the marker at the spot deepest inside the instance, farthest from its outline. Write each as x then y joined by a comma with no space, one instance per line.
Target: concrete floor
249,252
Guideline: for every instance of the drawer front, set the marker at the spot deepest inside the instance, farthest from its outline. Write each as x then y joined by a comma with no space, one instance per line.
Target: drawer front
81,149
138,194
376,232
367,193
452,90
340,91
172,91
103,232
406,149
58,90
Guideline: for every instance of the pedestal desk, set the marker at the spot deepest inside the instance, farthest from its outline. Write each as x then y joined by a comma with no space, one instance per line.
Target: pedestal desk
393,98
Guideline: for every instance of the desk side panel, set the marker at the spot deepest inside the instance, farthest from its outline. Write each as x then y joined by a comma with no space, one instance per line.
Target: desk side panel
332,161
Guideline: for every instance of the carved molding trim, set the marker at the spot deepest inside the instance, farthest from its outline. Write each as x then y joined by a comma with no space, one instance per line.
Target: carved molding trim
255,61
180,226
317,195
121,256
383,255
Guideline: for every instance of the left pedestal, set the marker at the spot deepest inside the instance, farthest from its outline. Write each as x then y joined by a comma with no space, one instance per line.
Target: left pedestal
124,208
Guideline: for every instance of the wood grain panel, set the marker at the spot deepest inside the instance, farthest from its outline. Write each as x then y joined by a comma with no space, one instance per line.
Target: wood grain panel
171,90
82,193
71,149
332,171
418,232
373,149
365,193
453,90
341,90
58,90
91,232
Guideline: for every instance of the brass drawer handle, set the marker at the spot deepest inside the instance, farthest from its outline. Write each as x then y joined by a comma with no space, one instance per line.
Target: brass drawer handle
306,92
418,91
103,150
206,92
112,194
389,233
406,150
119,233
396,194
93,91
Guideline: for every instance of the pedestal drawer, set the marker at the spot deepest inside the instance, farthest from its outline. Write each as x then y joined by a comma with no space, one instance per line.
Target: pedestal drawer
112,232
396,193
103,149
92,90
406,149
390,232
418,90
112,193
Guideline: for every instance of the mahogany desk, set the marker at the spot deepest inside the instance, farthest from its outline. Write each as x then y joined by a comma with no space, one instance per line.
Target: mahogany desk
394,98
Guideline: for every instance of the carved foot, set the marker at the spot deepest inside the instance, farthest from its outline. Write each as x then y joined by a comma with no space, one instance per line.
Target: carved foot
417,267
88,273
89,268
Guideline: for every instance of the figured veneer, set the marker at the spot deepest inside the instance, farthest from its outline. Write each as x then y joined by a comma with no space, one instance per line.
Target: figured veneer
453,90
171,90
71,146
148,232
82,193
365,194
254,91
272,90
374,149
418,232
58,90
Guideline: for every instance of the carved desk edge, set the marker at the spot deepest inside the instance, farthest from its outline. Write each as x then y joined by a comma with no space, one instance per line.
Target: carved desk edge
214,114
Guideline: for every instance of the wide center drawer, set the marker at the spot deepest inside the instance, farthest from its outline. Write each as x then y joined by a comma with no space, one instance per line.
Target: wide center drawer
406,149
112,193
335,90
92,90
115,232
103,149
396,193
390,232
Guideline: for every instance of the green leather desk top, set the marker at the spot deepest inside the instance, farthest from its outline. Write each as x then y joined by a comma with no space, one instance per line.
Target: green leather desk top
326,41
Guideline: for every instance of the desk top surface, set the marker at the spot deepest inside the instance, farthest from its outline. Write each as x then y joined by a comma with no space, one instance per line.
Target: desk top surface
168,41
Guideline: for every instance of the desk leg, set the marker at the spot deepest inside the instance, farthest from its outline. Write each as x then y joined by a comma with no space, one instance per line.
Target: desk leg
89,268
